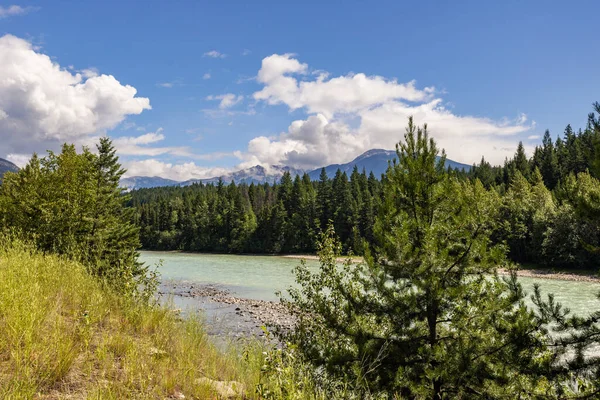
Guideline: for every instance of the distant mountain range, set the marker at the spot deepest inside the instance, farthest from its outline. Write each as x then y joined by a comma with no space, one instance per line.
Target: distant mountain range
375,161
6,166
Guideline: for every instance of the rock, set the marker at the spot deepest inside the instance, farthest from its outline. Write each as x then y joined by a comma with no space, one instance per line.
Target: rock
158,353
224,389
178,395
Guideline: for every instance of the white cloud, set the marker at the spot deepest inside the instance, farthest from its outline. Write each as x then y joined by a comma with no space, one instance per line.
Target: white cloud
307,144
214,54
171,84
139,145
20,160
344,94
178,172
89,72
246,52
227,100
44,105
206,76
353,113
533,137
15,10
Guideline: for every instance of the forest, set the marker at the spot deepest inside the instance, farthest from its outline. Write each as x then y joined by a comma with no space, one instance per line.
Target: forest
546,213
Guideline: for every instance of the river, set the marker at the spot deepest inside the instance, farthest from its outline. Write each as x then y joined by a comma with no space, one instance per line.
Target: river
260,277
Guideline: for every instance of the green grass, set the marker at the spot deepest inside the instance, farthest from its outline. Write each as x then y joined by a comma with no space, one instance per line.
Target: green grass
63,335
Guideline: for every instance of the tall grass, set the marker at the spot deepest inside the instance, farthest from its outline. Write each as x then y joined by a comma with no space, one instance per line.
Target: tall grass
64,335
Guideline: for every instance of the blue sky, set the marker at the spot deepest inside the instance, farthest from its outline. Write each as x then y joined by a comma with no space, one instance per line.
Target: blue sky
226,85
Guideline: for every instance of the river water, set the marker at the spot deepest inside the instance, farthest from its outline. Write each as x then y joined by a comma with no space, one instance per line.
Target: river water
260,277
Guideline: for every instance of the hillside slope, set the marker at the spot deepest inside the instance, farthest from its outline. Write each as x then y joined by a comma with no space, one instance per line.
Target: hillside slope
6,166
64,335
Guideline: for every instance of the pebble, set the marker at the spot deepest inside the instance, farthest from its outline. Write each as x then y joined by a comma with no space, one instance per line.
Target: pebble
263,313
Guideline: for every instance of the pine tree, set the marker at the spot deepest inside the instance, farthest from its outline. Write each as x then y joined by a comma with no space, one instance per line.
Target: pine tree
427,317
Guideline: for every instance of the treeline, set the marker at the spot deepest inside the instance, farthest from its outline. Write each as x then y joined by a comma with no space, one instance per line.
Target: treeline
281,218
541,219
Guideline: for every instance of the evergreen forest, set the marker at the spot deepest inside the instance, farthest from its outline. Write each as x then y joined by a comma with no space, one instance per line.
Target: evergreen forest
546,208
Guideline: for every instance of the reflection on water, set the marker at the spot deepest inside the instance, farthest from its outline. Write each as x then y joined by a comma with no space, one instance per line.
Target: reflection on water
259,277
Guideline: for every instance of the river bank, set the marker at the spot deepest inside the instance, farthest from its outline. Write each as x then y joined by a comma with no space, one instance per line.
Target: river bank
239,318
229,316
578,276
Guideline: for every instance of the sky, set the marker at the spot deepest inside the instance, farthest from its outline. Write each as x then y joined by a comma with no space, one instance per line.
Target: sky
190,89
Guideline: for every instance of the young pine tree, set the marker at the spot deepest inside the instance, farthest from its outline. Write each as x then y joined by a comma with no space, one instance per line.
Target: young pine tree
426,316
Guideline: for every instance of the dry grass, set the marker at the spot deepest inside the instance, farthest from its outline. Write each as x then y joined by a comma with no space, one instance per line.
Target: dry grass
64,336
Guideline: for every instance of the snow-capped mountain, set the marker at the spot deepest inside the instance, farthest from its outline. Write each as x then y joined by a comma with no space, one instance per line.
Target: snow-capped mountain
375,161
257,175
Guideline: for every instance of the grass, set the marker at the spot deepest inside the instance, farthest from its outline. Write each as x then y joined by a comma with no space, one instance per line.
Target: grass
63,335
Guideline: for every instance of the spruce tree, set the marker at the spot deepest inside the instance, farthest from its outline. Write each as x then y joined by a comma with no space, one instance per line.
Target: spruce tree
520,160
324,200
549,162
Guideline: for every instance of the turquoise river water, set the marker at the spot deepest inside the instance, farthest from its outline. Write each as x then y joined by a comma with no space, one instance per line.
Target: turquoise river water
259,277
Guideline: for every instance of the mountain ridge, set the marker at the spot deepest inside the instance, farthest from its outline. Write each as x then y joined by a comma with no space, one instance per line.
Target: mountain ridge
374,160
6,166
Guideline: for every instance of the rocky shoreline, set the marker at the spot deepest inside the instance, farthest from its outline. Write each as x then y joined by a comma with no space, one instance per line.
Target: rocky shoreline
238,317
583,276
549,274
241,318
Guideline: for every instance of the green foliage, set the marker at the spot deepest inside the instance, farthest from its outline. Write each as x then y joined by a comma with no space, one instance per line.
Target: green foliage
426,316
71,204
279,218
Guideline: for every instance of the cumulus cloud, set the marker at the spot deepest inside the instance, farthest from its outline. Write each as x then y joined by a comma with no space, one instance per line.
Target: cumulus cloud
20,160
139,145
43,104
227,100
344,94
178,172
15,10
350,114
214,54
308,143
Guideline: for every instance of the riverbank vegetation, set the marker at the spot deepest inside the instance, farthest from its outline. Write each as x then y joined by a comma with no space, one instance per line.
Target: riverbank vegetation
65,334
545,214
425,316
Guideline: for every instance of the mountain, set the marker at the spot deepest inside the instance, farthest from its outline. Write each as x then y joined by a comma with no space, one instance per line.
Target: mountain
6,166
144,182
257,175
375,160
